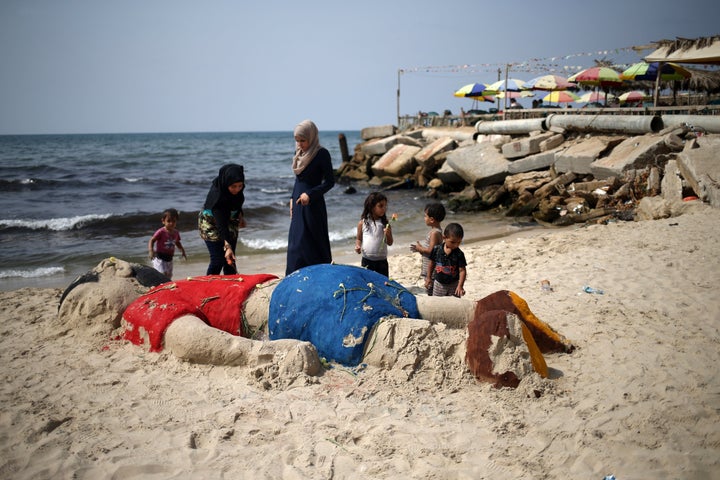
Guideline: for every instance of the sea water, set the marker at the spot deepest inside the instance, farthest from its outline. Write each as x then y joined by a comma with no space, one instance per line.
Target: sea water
69,201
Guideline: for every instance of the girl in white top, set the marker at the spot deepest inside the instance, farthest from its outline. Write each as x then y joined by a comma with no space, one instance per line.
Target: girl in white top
374,234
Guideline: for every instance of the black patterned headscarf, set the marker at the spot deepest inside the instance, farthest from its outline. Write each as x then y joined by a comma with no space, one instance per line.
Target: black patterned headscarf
219,196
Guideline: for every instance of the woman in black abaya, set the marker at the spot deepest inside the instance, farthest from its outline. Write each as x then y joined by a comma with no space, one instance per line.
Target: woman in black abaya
308,239
221,217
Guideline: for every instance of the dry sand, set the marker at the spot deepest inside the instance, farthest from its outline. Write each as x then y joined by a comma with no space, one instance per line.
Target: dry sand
639,398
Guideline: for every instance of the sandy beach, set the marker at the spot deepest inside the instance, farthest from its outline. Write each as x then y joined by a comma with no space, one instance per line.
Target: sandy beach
639,397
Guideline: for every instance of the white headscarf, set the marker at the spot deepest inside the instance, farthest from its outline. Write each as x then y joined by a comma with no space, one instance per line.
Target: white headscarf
307,130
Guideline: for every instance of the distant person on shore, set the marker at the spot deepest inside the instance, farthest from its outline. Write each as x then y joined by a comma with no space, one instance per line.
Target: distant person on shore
514,104
374,234
161,246
309,238
446,268
222,217
434,215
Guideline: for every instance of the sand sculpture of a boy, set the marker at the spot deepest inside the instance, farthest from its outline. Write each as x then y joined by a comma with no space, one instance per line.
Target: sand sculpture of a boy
337,313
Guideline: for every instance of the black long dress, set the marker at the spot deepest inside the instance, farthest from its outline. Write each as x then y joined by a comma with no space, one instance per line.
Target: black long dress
308,239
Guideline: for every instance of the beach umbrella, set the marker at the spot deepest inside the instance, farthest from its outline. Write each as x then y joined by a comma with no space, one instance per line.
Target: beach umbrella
511,85
475,92
561,96
596,97
669,72
597,77
471,90
549,83
483,98
602,77
523,94
648,71
634,96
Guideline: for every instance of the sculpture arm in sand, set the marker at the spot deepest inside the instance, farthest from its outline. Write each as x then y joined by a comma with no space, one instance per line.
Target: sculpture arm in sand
191,339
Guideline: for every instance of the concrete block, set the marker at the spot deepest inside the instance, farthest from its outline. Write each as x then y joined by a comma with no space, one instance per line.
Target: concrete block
448,175
369,133
479,165
496,140
635,153
458,134
539,161
381,146
577,158
671,185
397,162
525,146
426,156
701,170
552,142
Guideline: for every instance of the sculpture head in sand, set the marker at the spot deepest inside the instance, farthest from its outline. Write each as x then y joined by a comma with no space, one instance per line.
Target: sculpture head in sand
322,313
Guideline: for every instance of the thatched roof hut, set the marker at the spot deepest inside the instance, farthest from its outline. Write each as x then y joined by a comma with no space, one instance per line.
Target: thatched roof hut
703,50
699,51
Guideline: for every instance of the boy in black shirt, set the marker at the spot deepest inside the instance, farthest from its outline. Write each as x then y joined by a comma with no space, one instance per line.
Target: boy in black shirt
446,269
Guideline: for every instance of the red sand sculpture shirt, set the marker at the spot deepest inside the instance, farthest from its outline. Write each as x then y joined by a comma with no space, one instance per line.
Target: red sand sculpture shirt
215,299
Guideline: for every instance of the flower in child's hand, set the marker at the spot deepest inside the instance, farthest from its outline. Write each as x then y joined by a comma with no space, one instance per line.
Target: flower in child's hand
394,217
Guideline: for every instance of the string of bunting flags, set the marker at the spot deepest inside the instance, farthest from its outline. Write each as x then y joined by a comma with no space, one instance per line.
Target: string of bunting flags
533,65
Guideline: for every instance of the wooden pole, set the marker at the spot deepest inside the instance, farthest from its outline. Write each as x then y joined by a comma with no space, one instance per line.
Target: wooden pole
497,100
343,148
398,97
656,95
507,72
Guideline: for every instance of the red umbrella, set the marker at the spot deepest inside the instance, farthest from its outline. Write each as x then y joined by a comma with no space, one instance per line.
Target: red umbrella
633,96
602,77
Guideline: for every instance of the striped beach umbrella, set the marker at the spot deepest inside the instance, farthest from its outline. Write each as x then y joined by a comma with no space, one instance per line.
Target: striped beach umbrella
561,96
598,77
649,71
549,83
471,90
596,97
511,85
634,96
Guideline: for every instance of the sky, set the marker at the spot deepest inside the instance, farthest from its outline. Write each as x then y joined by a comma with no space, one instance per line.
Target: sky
104,66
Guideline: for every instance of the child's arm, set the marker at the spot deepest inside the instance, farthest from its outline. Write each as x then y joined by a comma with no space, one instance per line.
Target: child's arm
179,245
388,235
359,237
460,290
151,243
435,239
